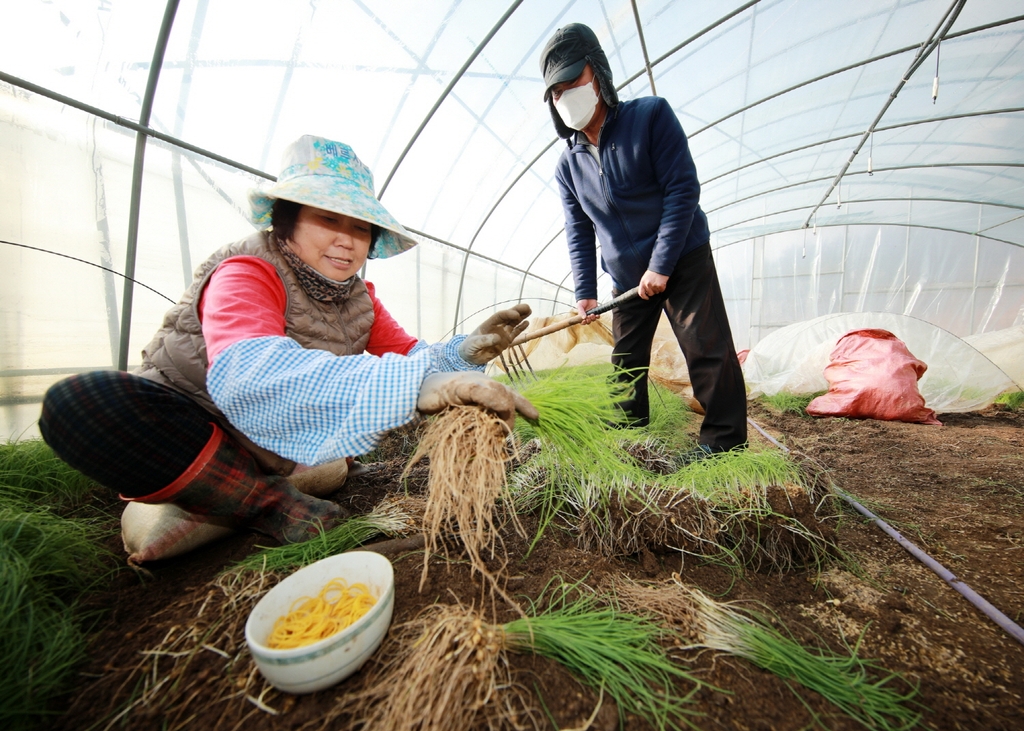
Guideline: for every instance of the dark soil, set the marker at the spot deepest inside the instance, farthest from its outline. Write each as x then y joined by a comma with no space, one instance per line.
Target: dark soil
956,491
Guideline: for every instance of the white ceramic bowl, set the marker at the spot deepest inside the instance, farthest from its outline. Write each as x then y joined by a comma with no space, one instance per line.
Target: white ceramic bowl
323,663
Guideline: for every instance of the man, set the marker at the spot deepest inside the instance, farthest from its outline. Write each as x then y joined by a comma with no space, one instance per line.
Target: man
627,180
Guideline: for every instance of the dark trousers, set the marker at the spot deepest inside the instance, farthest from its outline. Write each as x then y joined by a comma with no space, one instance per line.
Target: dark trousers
695,308
127,433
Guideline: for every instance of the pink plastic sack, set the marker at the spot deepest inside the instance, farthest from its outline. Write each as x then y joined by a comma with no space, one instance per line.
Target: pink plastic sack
872,375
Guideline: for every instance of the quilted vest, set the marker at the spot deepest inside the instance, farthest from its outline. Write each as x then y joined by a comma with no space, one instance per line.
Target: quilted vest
176,356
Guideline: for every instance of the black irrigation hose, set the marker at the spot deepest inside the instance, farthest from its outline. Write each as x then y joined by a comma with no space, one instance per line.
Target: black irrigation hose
1014,629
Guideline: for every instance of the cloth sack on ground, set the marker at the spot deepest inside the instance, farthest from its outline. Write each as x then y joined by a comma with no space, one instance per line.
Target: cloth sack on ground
153,532
872,375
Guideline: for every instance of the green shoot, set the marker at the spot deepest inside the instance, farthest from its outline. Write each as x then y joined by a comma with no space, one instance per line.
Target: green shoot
60,555
388,518
859,688
789,403
670,418
607,649
42,644
47,564
575,414
1013,401
31,473
731,479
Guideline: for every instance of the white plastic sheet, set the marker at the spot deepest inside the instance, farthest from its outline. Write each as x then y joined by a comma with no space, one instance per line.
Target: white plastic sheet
793,359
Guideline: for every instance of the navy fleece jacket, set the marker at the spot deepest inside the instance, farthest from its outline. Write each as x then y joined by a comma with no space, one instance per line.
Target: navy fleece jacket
641,203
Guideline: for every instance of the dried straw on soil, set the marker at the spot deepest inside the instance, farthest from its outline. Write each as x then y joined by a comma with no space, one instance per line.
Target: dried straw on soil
205,658
467,450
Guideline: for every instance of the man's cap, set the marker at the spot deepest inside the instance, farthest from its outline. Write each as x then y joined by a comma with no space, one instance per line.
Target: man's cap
565,55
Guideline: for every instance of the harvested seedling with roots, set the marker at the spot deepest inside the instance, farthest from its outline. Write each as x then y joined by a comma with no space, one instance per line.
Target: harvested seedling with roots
448,673
449,669
394,516
578,457
621,491
610,649
859,688
763,510
467,450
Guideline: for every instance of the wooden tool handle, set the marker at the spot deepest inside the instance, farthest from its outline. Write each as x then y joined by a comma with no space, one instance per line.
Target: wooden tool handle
541,332
575,319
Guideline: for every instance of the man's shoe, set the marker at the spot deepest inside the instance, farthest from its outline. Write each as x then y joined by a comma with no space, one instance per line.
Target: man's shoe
702,452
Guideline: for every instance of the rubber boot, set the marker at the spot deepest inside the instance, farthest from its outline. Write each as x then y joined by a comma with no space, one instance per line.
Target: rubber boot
225,481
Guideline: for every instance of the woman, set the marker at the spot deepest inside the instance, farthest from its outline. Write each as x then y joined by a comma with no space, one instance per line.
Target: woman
277,357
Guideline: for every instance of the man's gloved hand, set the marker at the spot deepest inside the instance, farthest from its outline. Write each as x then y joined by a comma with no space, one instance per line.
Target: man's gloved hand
469,388
494,336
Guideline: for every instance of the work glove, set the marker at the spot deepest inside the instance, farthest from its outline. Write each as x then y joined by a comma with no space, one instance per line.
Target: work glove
469,388
494,336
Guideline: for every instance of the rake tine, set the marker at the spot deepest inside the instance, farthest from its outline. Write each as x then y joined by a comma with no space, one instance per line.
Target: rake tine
509,369
513,355
519,367
526,361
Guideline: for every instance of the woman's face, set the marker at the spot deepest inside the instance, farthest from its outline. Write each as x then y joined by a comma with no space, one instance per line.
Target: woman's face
333,244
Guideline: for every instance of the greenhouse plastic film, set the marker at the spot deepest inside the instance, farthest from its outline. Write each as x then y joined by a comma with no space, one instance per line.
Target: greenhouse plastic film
793,360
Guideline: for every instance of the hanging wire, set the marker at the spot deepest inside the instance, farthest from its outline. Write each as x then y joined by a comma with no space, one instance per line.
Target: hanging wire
839,193
871,152
83,261
935,81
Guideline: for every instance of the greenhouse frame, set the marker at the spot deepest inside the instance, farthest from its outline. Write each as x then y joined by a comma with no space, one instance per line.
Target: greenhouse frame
854,157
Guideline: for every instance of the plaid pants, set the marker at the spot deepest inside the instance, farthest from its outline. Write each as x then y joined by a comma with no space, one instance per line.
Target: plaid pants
695,308
127,433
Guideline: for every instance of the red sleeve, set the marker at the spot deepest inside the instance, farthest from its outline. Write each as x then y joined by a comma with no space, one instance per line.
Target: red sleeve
386,336
243,299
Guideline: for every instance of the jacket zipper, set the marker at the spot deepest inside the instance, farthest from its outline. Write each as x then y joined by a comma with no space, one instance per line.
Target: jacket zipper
606,189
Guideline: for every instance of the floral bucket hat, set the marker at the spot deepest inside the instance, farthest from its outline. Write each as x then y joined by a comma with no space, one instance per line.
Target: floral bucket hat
325,174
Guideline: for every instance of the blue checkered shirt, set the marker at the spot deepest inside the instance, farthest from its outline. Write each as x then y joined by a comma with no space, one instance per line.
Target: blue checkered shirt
313,407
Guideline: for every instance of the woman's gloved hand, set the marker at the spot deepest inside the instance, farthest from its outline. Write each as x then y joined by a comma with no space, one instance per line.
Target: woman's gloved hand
495,335
469,388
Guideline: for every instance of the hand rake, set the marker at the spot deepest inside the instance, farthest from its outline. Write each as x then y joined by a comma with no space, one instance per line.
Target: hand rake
517,364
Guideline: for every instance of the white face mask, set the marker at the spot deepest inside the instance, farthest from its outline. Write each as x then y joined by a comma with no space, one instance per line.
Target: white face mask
576,106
